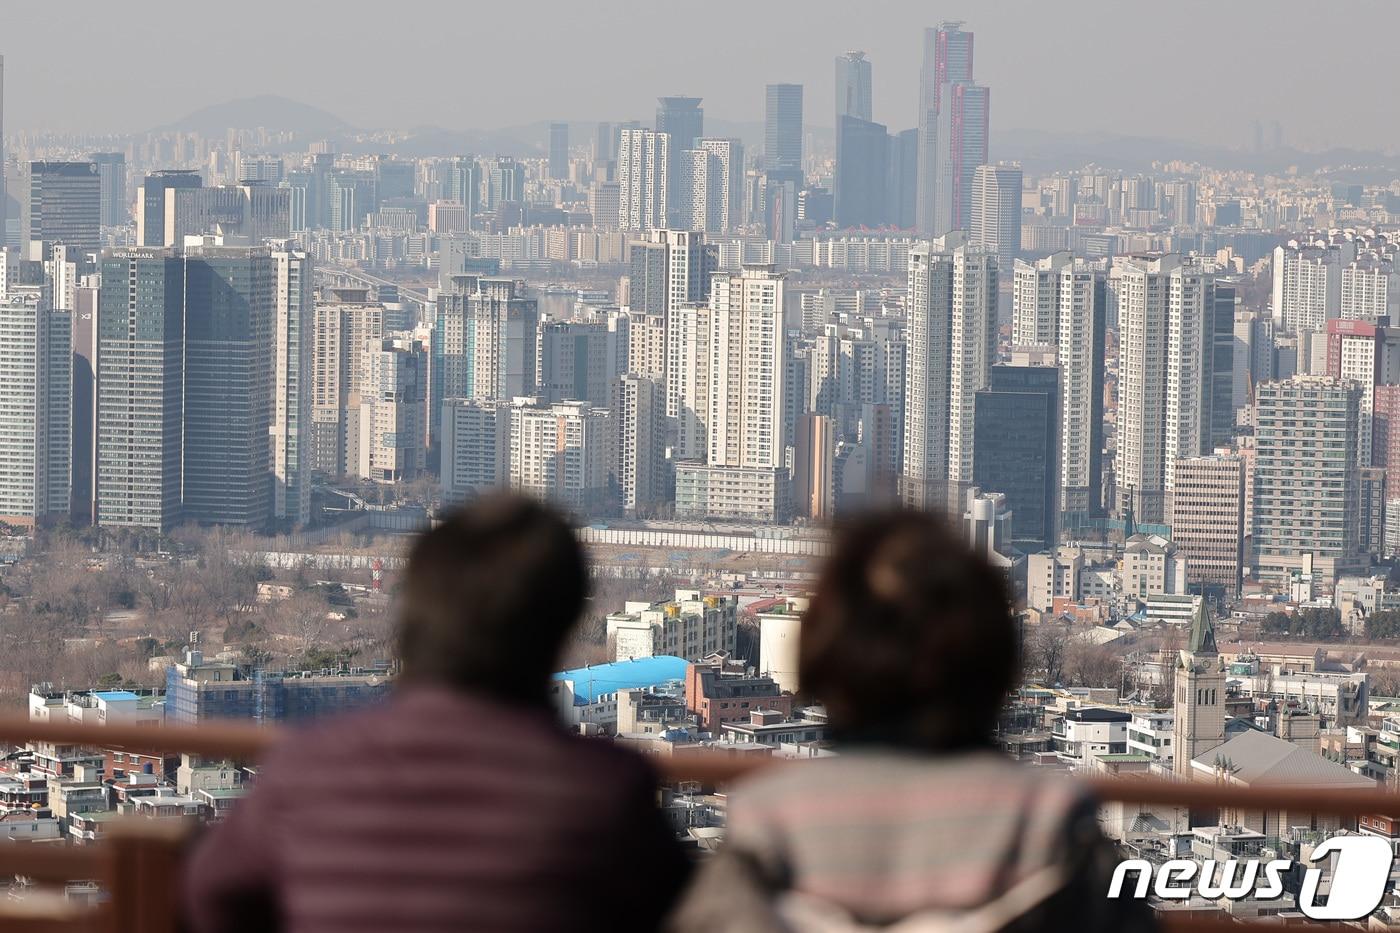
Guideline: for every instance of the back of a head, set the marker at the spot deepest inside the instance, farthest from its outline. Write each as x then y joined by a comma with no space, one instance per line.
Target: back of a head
909,638
489,596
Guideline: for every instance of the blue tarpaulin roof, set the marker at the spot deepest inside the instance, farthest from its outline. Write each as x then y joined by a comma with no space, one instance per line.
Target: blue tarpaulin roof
591,682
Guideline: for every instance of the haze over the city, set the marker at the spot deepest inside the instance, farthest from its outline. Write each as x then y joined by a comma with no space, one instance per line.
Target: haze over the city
1195,70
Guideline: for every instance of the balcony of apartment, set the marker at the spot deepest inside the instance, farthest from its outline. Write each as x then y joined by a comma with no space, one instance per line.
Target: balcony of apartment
122,874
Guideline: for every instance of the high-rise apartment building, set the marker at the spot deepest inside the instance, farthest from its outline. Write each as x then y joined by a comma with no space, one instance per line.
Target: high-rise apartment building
1163,304
814,468
729,200
639,435
140,388
392,428
1306,480
65,205
294,335
475,447
347,323
36,408
1207,520
562,454
644,179
951,337
577,362
1307,287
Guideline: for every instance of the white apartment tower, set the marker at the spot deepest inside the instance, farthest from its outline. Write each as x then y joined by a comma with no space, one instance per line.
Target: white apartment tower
294,340
643,173
747,345
951,346
1060,303
36,408
1161,304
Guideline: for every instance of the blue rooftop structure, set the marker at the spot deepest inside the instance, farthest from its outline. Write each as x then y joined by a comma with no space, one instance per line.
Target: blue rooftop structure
591,682
115,696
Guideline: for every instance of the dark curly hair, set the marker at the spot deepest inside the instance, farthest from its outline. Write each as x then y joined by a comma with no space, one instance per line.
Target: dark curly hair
489,597
909,638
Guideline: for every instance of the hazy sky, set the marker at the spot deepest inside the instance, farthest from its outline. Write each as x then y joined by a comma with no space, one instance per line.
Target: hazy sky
1190,69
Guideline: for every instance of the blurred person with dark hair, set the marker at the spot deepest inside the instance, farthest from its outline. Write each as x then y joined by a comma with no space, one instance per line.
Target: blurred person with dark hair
460,803
918,823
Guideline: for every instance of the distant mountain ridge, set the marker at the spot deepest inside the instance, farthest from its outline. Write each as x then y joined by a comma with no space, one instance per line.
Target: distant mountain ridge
273,112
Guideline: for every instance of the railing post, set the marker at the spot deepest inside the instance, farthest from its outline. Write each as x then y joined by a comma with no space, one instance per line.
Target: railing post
145,862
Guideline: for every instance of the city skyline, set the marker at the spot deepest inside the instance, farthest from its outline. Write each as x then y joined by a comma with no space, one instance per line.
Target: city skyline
1025,52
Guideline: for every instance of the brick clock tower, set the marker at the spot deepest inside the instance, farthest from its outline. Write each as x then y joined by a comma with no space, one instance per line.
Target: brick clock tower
1200,696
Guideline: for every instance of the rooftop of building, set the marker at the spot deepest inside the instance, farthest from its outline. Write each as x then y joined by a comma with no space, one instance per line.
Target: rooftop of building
589,683
1258,759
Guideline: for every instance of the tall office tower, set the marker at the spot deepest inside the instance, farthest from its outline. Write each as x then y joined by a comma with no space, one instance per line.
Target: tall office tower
1306,483
644,177
111,174
350,196
266,170
1218,425
947,60
65,204
746,370
683,120
559,151
951,335
256,212
1016,449
293,342
505,328
36,408
1179,202
963,127
605,144
861,196
392,412
814,468
346,323
1163,305
902,186
853,87
639,436
230,305
730,155
994,216
782,128
1307,290
605,204
461,182
1370,356
394,179
562,454
1207,520
698,193
151,198
140,388
576,362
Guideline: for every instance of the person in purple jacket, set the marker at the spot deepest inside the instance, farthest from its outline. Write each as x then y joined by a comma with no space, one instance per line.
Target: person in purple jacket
460,803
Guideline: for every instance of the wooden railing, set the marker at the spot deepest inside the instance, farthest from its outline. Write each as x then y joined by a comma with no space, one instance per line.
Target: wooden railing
138,861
